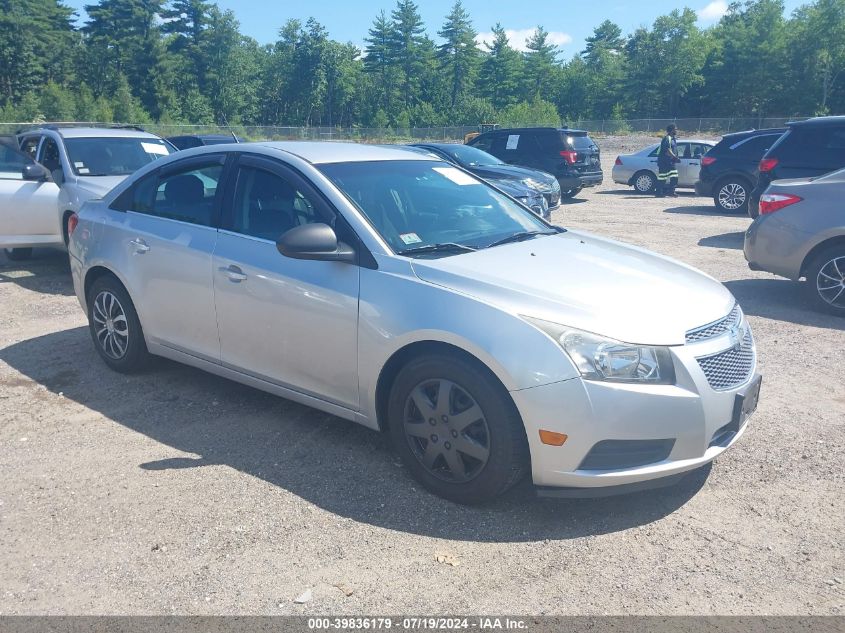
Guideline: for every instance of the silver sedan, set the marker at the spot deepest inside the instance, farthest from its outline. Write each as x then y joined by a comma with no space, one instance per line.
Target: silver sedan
639,169
404,293
800,233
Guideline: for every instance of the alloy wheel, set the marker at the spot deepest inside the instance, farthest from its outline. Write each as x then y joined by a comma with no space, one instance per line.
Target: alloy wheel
644,183
111,325
830,282
732,196
446,430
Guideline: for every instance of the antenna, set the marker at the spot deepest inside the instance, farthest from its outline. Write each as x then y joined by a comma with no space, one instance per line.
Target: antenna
229,127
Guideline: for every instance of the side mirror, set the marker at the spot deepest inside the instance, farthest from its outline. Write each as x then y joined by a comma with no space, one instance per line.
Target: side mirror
34,171
314,241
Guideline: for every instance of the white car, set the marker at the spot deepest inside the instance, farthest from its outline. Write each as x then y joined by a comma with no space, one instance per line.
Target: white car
55,171
639,170
399,291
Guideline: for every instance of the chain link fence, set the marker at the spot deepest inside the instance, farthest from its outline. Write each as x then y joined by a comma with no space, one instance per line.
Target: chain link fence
599,127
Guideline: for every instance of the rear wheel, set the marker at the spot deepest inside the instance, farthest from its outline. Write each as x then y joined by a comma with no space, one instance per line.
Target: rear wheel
456,429
18,254
644,182
732,195
115,328
570,193
826,280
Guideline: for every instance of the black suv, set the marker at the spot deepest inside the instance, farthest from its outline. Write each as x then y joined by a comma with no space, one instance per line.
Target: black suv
808,148
571,156
188,141
729,170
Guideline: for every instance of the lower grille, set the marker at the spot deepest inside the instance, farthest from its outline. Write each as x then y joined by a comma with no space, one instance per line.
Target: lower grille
730,368
618,454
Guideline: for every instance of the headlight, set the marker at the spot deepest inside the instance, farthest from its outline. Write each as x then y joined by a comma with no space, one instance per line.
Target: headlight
599,358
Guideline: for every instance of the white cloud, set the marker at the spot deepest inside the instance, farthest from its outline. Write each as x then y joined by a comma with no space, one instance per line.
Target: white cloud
518,37
713,11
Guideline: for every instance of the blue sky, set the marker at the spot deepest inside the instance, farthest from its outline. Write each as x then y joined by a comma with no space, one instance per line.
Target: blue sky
569,21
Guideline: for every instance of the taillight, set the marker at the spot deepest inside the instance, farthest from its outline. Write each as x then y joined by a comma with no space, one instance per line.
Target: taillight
72,223
771,202
570,156
618,161
708,160
768,164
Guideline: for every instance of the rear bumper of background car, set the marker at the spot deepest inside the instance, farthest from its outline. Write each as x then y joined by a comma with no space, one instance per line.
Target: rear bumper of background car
580,181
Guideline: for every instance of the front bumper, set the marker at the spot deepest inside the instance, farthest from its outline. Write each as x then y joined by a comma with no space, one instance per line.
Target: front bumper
688,419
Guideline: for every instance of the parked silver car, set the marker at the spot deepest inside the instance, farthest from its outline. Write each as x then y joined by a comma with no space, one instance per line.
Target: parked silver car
639,170
800,233
55,171
401,292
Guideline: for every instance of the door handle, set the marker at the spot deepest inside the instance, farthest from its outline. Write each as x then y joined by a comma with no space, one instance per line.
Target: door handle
139,245
234,273
696,164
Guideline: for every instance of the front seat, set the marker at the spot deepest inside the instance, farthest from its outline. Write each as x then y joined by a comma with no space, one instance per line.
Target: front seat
185,195
271,206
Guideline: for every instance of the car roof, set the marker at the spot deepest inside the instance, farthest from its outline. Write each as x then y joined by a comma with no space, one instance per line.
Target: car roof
538,129
819,120
323,152
203,136
764,131
92,132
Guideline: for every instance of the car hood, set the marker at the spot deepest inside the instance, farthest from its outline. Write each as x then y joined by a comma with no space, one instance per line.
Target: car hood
589,283
98,186
511,172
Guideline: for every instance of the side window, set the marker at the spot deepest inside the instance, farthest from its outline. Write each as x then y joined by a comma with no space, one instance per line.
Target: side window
500,142
484,142
684,150
49,154
12,162
29,146
836,140
267,205
757,145
188,196
654,151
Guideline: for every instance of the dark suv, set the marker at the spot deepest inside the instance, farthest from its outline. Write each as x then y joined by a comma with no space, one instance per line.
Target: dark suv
807,149
571,156
729,170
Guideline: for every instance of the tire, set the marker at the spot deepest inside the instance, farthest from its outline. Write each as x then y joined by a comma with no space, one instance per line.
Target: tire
115,328
825,283
18,254
471,448
644,182
568,194
731,195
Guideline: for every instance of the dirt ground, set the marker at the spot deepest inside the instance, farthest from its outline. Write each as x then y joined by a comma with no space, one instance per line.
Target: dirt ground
179,492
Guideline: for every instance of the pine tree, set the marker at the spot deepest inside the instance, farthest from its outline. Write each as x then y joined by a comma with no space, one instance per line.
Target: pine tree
501,71
458,55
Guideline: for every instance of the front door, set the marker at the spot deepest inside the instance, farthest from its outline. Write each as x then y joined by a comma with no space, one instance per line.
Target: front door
288,321
28,209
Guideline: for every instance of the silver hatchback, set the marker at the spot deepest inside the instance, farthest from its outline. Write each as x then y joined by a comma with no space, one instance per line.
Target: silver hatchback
402,292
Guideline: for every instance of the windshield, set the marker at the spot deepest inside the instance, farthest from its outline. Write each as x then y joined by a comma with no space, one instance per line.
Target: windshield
113,156
420,203
467,156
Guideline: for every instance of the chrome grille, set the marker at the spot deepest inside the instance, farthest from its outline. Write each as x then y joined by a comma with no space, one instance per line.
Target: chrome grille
732,367
713,330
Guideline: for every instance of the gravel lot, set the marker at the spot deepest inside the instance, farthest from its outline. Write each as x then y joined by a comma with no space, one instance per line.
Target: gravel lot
179,492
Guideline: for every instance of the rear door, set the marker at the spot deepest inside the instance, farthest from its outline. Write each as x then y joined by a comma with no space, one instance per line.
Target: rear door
28,209
166,239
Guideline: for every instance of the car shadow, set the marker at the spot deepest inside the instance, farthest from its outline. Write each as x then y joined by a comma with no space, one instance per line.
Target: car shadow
47,272
710,210
781,300
337,465
725,240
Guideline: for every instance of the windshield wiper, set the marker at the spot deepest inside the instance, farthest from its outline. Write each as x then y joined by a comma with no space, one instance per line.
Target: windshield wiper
518,237
443,247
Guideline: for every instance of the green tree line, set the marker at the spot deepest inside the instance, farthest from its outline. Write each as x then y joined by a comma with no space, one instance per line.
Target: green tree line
186,61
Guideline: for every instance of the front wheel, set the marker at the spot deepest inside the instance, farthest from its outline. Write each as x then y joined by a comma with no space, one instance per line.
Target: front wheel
645,182
115,328
731,196
18,254
456,429
826,280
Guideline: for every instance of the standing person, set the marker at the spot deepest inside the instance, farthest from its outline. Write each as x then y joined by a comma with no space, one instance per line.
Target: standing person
667,159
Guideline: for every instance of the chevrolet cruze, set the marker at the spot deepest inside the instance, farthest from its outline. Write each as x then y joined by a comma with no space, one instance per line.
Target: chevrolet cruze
403,293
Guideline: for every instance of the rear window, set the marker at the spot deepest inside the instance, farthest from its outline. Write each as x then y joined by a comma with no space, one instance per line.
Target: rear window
810,140
580,141
754,146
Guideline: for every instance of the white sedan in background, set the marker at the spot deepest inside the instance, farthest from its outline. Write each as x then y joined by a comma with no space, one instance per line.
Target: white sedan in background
639,170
